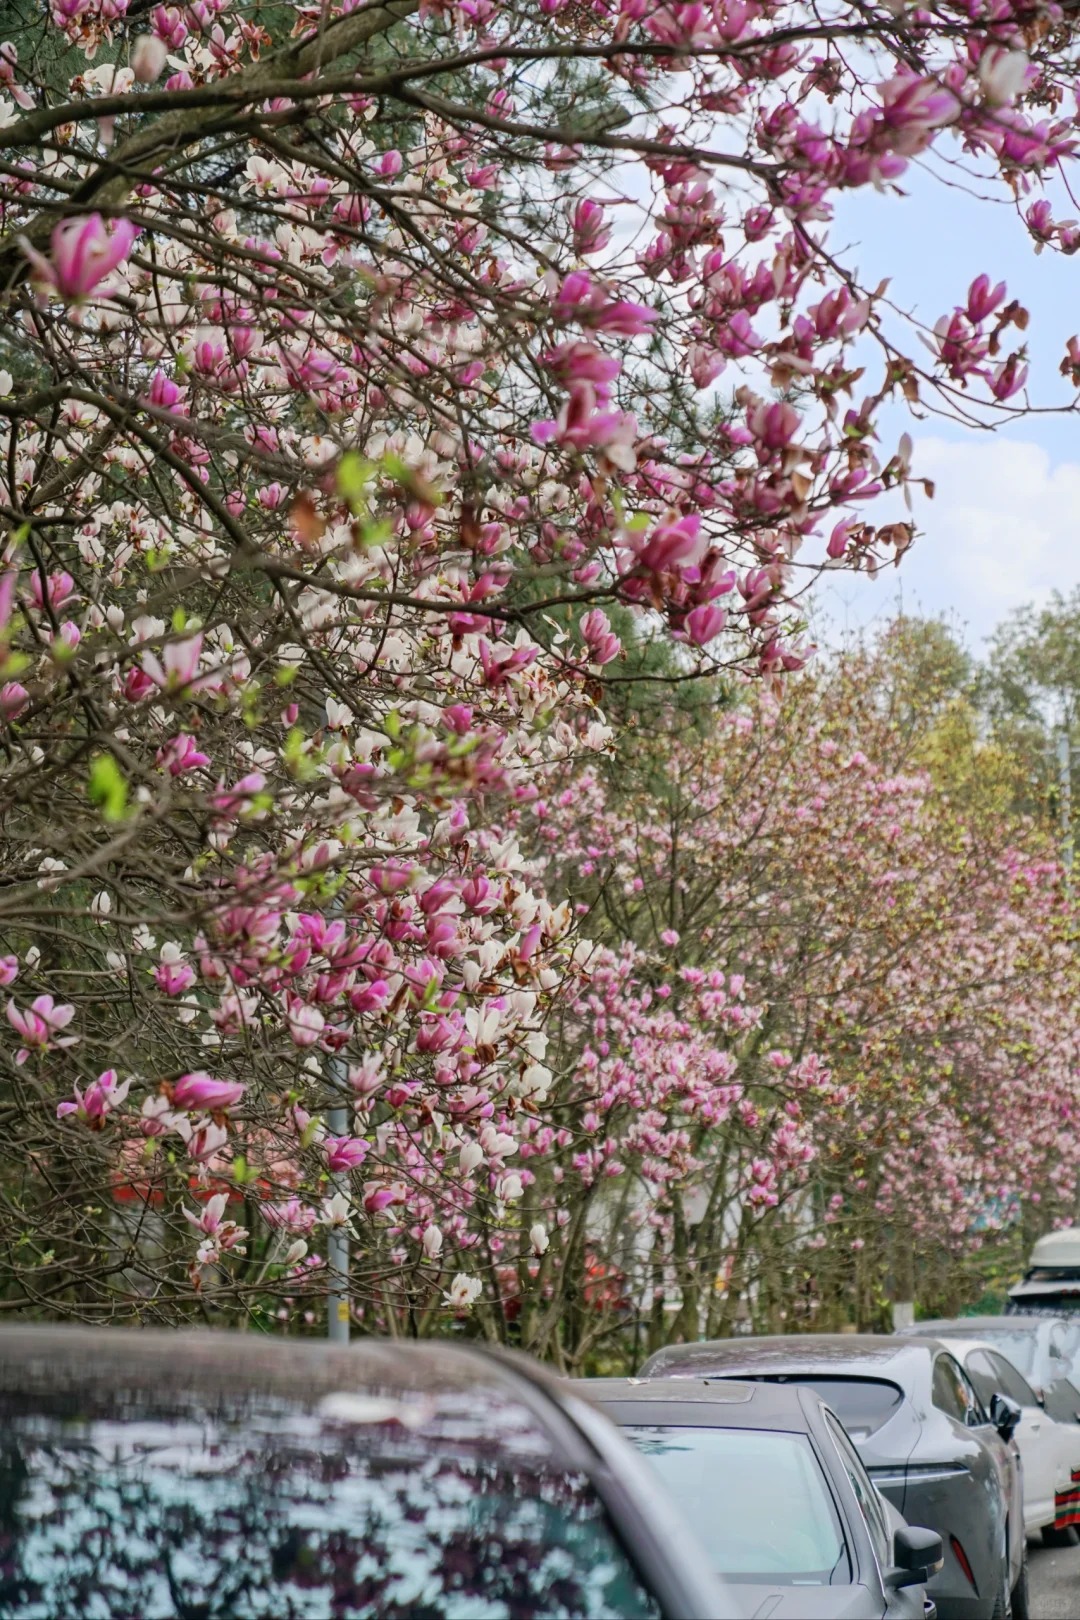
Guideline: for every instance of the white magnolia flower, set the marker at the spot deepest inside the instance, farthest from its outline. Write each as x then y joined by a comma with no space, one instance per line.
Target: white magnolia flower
464,1292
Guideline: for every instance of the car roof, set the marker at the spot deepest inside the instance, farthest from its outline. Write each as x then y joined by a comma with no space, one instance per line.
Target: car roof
866,1355
1061,1248
62,1366
716,1402
960,1346
962,1325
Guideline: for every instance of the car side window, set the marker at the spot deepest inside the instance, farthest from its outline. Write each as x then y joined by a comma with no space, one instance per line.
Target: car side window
948,1390
865,1493
974,1410
1009,1381
983,1374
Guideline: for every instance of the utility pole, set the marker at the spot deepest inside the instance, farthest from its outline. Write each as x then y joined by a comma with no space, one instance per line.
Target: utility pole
1064,757
337,1246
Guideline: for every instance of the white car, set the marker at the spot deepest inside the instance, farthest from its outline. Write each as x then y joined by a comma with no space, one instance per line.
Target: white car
1049,1451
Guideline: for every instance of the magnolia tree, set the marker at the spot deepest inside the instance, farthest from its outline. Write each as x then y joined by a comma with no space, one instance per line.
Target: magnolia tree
358,359
843,1040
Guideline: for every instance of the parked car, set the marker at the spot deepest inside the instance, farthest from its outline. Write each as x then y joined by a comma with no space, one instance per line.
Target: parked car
924,1437
1050,1451
165,1474
775,1492
1052,1280
1046,1349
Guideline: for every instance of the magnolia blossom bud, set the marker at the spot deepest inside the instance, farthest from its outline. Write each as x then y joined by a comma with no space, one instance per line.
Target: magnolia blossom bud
432,1241
296,1252
538,1238
471,1155
148,58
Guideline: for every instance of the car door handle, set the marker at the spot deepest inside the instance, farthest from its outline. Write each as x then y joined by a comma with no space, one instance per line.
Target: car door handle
1035,1427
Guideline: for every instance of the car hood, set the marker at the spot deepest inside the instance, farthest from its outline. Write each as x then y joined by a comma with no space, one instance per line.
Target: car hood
764,1602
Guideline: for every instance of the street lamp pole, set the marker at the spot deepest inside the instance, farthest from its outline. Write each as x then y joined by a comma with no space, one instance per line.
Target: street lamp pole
337,1247
1064,756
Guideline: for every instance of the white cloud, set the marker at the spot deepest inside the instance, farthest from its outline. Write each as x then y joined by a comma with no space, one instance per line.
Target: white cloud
1003,529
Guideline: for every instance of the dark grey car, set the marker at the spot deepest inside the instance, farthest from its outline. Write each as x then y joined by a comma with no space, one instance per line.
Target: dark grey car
926,1441
775,1492
211,1475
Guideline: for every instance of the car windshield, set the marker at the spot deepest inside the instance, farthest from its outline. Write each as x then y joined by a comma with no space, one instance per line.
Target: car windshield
267,1510
757,1501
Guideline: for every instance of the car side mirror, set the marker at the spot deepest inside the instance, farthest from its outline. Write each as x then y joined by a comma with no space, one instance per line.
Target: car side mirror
918,1555
1005,1415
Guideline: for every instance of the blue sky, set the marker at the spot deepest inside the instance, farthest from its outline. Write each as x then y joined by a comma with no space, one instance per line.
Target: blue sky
1004,526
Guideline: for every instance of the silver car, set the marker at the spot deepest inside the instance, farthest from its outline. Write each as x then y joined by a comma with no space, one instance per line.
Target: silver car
926,1441
775,1492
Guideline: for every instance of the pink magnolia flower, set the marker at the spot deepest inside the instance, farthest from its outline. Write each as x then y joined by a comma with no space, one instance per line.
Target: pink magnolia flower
1005,74
983,299
99,1100
590,231
204,1140
583,362
8,581
84,252
624,318
180,754
704,624
9,970
292,1216
582,425
201,1090
13,700
156,1117
344,1152
173,975
674,540
602,642
912,107
178,666
1008,378
210,1219
773,426
39,1025
59,588
306,1024
219,1235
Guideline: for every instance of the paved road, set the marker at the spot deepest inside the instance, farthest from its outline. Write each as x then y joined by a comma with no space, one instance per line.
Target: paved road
1055,1583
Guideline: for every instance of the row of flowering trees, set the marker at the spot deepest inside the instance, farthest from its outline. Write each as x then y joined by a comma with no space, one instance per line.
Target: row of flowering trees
362,366
832,1034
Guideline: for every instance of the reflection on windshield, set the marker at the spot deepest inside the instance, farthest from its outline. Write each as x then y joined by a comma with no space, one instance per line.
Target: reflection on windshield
757,1501
262,1511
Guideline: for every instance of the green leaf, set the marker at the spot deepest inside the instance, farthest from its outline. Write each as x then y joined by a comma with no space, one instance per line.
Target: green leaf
354,474
298,761
107,788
